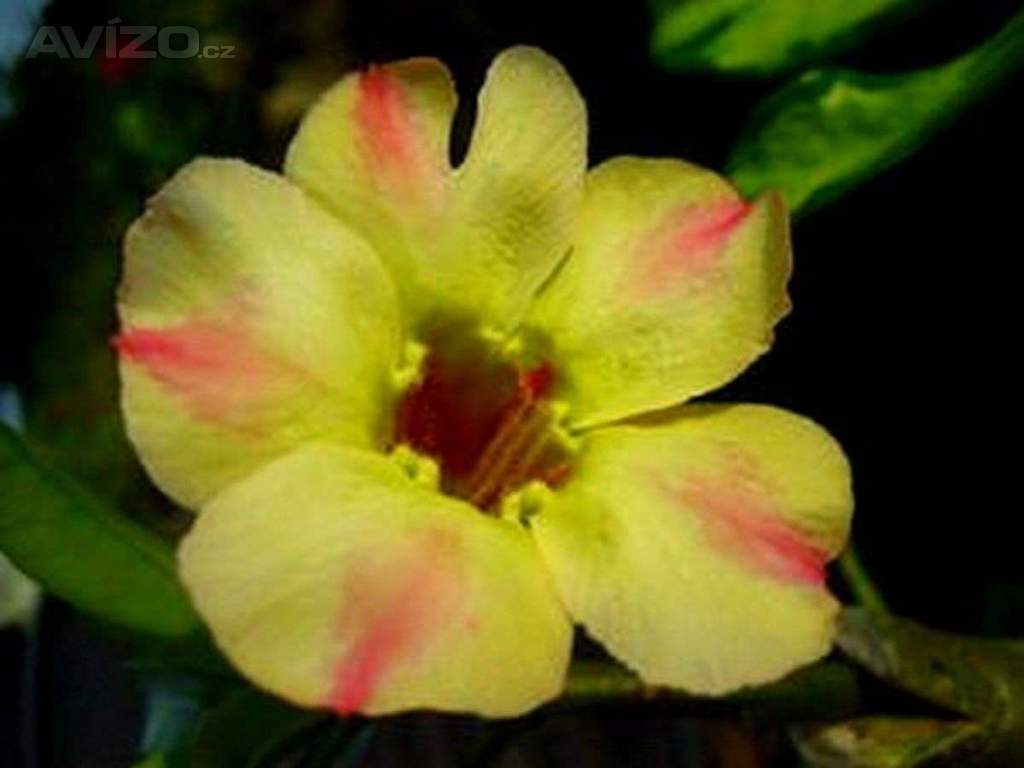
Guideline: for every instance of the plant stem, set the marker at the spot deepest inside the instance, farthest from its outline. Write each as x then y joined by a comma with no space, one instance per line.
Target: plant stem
826,690
859,581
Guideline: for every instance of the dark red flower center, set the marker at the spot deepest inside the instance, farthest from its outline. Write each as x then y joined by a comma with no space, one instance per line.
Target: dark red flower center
488,422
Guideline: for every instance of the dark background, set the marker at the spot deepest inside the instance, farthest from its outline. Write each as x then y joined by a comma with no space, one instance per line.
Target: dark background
902,342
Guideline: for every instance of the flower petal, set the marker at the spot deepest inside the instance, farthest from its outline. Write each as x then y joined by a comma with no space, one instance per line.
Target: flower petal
374,149
477,241
332,579
251,322
694,549
519,190
673,287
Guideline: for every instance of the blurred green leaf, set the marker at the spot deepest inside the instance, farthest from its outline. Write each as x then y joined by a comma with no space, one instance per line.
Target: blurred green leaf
761,37
978,678
884,742
19,596
833,129
178,704
84,552
173,709
245,729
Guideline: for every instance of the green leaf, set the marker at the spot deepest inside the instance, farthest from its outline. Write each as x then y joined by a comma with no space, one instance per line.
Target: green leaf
175,706
83,552
173,710
886,742
19,596
833,129
764,37
246,728
979,678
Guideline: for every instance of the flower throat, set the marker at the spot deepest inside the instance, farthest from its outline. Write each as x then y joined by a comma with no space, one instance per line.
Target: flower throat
488,422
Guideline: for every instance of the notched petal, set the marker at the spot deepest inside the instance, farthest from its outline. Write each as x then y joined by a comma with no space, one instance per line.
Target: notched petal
476,241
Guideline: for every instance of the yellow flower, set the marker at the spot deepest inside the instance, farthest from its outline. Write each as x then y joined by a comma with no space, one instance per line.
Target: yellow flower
404,400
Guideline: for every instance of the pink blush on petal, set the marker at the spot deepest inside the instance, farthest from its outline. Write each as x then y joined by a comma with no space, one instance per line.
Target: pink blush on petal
216,369
392,141
689,244
740,517
394,611
383,120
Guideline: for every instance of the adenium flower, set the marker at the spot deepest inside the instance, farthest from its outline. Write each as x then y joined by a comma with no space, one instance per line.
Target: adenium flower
430,417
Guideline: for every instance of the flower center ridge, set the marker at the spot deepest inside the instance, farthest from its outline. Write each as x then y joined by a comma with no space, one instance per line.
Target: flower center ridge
488,422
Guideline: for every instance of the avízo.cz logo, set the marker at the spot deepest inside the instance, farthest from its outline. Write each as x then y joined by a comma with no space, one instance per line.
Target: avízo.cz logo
125,41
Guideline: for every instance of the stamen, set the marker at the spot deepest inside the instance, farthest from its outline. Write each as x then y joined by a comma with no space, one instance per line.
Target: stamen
514,447
487,423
